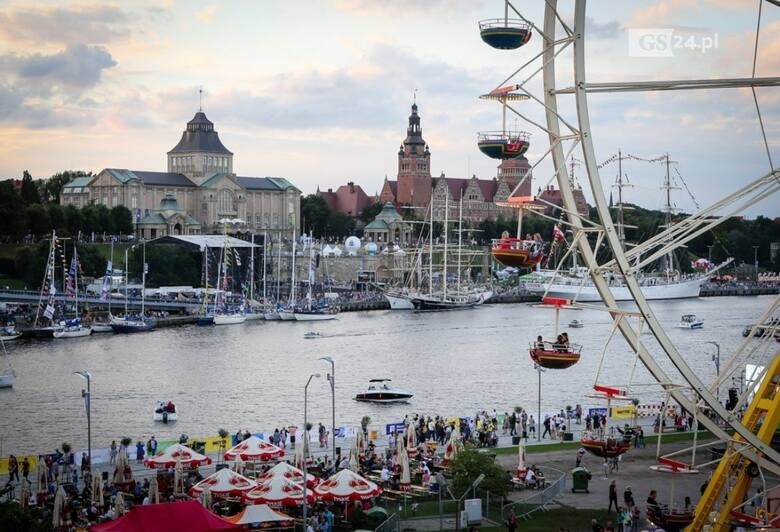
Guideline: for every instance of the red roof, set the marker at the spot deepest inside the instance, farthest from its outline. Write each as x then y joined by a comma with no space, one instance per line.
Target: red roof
458,185
330,198
351,199
167,517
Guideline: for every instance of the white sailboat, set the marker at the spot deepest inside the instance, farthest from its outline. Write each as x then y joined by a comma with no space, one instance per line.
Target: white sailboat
139,323
312,313
271,312
73,328
223,315
288,313
105,294
251,312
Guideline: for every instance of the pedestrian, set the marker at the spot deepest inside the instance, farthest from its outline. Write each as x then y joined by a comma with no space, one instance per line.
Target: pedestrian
612,496
512,424
112,453
628,498
25,468
84,463
636,516
291,431
580,455
139,451
153,445
13,468
640,438
605,467
511,521
546,424
532,425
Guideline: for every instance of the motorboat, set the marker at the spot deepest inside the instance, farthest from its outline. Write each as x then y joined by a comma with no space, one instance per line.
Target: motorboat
133,324
576,324
379,391
229,319
399,301
318,314
7,379
165,412
690,321
101,327
73,329
311,335
9,334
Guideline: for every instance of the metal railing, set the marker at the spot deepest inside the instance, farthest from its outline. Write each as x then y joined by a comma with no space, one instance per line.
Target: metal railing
391,524
503,136
539,500
513,23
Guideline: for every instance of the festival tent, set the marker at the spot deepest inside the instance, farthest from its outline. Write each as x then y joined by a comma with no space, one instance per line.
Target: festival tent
278,491
177,453
346,486
223,483
290,473
167,517
263,515
253,448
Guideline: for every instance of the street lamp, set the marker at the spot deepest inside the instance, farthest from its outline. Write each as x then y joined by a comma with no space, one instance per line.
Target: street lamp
306,438
716,359
332,379
539,369
87,395
755,260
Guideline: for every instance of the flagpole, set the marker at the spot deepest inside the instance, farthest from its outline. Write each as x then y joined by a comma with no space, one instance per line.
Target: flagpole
110,277
252,270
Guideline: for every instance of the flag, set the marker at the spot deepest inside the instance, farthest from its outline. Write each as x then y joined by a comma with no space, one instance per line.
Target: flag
557,233
49,312
71,275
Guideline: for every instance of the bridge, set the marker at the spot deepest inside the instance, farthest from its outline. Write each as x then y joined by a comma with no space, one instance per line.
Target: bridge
27,297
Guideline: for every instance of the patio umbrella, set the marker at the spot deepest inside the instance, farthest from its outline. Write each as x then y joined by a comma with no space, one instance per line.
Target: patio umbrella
60,515
261,514
521,456
403,460
346,486
411,440
43,477
177,453
290,473
206,500
96,489
223,483
278,491
254,449
453,445
123,472
154,491
178,479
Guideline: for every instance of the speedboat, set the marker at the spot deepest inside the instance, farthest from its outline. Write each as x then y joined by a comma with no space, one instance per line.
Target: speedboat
229,319
690,321
379,391
165,412
576,324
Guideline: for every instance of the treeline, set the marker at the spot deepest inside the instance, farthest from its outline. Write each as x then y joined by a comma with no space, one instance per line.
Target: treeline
31,212
319,220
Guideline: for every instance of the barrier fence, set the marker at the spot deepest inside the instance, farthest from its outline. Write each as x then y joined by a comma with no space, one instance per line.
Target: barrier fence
540,499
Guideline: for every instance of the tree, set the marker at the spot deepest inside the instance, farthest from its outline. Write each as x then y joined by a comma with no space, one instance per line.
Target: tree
74,220
53,186
370,212
29,191
57,217
168,265
38,221
13,219
93,263
314,214
31,263
121,220
468,465
340,225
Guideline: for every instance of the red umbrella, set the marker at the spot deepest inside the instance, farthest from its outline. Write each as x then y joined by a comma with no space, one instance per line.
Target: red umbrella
346,486
177,453
253,448
276,492
224,483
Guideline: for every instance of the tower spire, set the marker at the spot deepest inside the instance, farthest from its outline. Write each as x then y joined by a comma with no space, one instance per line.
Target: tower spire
200,98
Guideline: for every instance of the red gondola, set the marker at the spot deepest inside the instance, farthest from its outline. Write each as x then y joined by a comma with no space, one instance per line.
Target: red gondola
669,520
555,356
609,448
518,253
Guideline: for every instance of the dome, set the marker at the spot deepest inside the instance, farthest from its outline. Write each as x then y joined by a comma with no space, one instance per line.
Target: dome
169,203
200,137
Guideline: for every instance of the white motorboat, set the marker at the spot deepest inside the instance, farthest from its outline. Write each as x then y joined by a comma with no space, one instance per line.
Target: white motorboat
379,391
165,412
315,315
399,302
311,335
101,328
229,319
10,337
7,379
73,331
690,321
576,324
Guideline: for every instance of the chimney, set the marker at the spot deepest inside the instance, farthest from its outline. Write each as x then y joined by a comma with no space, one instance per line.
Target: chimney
351,185
330,191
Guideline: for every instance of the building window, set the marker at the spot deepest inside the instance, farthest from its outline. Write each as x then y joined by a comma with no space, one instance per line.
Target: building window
114,201
134,202
226,202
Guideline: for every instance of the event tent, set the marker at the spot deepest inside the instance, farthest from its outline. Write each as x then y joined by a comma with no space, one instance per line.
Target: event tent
167,517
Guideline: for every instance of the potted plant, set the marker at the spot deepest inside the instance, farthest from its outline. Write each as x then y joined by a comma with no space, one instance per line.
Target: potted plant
223,435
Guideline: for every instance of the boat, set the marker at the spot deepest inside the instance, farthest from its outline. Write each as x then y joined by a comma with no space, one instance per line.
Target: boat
315,314
311,335
8,376
576,324
399,301
10,337
252,314
106,295
98,327
204,319
271,315
690,321
165,412
229,318
379,391
286,314
46,299
73,329
424,303
133,324
771,326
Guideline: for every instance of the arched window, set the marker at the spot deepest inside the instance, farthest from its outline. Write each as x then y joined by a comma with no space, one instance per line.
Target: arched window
226,203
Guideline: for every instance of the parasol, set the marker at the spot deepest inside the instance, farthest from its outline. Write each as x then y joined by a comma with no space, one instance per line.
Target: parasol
346,486
254,449
177,453
290,473
276,492
223,483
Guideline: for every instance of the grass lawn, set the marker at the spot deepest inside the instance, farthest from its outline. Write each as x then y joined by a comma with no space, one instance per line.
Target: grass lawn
567,518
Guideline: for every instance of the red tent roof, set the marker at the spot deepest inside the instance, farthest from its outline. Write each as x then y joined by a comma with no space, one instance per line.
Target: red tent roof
167,517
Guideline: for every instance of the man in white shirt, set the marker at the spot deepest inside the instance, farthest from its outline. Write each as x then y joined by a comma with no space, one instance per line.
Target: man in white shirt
385,474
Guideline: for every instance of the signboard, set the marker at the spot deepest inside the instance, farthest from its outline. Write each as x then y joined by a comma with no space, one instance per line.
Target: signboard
395,428
593,412
623,412
473,511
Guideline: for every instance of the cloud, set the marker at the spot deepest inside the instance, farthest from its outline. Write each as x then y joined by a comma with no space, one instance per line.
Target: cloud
78,66
602,30
206,14
63,25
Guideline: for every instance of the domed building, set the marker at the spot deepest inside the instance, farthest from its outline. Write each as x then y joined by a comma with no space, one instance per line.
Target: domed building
198,194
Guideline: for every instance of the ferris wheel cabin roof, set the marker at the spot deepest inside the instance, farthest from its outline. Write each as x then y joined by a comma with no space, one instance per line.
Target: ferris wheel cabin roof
202,241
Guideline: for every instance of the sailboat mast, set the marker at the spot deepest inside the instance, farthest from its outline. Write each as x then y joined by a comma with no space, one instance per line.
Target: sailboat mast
621,228
252,270
292,277
311,265
46,274
111,278
265,247
668,209
76,277
446,234
126,279
460,237
430,248
143,280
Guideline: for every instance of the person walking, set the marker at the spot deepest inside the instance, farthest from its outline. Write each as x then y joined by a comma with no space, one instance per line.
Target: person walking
26,468
612,496
605,467
13,468
511,521
532,425
546,424
139,451
112,453
628,499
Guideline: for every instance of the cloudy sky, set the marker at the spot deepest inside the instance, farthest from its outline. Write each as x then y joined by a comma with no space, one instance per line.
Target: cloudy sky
319,91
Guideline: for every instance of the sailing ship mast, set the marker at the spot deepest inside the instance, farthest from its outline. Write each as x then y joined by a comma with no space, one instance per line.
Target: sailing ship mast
47,285
265,269
143,281
668,209
460,237
252,270
446,235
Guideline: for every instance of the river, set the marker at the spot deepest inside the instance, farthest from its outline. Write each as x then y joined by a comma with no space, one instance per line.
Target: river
252,375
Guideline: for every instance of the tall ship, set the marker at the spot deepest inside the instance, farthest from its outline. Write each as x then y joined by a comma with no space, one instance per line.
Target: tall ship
666,283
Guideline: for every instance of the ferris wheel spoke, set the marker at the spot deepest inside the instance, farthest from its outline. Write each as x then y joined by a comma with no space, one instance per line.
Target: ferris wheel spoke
669,85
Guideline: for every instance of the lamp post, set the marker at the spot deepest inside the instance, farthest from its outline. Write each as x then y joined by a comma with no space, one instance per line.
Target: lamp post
332,380
306,438
709,253
87,395
539,370
755,260
716,359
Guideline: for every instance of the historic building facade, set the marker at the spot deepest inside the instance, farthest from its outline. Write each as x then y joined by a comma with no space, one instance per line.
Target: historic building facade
414,187
199,190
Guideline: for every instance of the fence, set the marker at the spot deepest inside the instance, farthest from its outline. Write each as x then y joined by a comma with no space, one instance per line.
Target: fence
539,500
391,524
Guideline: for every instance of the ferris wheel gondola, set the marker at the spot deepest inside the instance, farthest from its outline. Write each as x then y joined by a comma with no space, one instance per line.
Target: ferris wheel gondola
505,33
559,354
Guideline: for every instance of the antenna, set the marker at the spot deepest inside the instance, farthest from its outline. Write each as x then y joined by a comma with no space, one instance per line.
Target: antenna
200,98
414,96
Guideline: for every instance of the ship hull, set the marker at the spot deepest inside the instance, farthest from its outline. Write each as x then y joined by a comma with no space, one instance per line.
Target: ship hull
588,292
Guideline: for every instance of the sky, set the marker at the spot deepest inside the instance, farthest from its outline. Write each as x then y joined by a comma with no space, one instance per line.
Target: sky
319,91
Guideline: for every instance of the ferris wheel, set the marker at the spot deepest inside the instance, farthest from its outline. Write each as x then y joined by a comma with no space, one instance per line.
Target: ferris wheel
748,425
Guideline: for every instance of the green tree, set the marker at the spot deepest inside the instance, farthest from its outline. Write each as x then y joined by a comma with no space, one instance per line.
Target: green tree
13,219
31,263
74,220
469,464
370,212
168,265
93,263
340,225
29,191
314,214
57,218
38,221
121,220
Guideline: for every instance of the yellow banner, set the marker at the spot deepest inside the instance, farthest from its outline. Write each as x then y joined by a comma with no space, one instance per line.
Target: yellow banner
623,412
33,464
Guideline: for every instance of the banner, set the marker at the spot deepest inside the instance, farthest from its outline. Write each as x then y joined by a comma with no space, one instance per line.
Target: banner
623,412
395,428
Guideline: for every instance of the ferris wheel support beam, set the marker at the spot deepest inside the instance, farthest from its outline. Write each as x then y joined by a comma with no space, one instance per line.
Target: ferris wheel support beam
771,459
671,85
